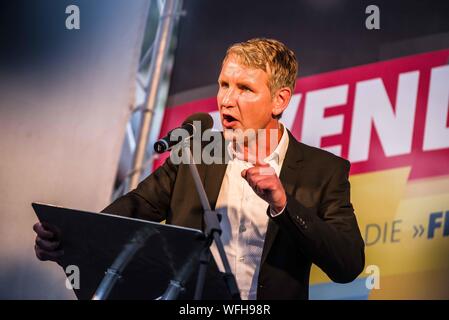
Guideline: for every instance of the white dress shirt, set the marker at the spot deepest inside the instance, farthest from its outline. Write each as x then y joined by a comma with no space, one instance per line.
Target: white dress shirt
244,221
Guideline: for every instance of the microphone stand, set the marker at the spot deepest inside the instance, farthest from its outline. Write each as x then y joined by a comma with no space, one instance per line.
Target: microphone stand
212,231
114,272
176,286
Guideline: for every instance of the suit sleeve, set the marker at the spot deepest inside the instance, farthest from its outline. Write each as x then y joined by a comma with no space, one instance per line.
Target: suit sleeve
328,234
151,199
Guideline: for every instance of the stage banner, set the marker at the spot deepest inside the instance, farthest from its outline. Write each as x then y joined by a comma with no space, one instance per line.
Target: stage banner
390,120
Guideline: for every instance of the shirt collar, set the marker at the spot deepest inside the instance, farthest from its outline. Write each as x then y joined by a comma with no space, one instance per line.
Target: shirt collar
278,155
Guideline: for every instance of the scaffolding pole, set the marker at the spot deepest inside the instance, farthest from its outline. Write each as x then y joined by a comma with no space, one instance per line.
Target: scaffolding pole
170,13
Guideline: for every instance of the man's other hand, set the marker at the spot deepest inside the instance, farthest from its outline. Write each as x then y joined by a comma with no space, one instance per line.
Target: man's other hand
48,242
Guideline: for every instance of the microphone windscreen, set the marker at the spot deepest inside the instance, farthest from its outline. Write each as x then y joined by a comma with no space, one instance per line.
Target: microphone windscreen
206,120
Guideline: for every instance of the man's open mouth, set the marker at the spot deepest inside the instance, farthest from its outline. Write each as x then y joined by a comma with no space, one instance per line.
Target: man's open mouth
228,120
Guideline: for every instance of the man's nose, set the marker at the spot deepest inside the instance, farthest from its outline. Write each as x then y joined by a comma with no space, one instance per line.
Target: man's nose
229,98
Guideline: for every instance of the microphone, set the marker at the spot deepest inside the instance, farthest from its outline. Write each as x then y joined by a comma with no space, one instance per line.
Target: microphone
192,124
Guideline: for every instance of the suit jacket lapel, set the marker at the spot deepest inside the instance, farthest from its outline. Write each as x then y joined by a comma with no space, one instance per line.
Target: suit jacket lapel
215,173
213,179
287,176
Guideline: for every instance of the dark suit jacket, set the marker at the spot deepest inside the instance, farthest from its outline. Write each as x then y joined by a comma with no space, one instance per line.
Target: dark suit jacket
318,225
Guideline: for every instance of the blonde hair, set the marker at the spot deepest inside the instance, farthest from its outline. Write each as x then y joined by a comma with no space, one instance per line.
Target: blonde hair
270,55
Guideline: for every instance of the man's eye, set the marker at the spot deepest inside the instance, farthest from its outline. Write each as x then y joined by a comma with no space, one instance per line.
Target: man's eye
224,85
245,88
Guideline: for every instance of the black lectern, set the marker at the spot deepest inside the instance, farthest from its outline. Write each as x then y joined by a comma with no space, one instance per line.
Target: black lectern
126,258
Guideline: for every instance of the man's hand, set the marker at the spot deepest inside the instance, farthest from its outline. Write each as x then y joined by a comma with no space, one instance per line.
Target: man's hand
48,242
267,185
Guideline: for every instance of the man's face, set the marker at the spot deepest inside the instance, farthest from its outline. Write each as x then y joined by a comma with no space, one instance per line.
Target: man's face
244,98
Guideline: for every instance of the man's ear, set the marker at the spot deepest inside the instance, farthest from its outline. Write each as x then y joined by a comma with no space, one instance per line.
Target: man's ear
281,100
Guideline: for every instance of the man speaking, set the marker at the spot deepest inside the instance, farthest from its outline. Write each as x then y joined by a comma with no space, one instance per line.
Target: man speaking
284,205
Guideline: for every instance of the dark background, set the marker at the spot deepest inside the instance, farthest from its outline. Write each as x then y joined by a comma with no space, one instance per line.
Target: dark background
325,34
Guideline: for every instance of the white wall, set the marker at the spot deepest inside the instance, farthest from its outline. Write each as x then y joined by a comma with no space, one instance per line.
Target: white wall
62,124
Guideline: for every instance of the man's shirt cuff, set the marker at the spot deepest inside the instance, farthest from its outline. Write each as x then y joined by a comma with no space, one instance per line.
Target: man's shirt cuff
273,213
